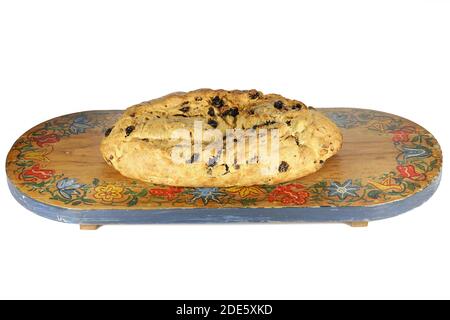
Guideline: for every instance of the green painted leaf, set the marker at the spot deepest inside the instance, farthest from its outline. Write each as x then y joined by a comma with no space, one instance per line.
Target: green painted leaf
95,182
132,202
143,193
249,201
89,201
433,164
415,139
410,186
374,194
421,166
268,188
76,203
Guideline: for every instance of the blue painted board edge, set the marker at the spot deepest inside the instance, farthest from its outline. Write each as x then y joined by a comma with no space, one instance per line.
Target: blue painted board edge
226,215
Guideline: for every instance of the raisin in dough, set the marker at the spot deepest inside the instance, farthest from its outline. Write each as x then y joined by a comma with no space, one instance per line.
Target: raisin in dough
139,144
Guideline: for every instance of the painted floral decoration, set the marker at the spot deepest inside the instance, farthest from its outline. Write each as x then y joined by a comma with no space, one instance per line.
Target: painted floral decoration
46,139
245,191
344,190
169,193
402,134
410,172
79,125
36,173
290,194
67,188
206,195
108,193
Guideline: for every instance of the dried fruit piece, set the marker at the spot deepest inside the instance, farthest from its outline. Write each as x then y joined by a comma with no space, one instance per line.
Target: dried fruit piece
217,101
231,112
284,166
108,131
253,94
129,130
185,108
213,123
278,104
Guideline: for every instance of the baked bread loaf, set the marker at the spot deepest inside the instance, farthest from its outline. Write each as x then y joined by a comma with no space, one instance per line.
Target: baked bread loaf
141,144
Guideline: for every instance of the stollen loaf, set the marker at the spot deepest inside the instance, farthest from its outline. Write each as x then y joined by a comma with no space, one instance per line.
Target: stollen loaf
220,138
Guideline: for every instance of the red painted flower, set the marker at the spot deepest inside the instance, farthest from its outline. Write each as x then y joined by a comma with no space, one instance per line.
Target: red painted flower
168,193
289,194
35,173
45,139
409,172
402,134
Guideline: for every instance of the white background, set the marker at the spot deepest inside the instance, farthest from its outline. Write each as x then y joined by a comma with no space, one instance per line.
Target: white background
58,57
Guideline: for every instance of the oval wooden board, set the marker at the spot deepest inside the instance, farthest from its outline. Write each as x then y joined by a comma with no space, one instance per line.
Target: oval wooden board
387,165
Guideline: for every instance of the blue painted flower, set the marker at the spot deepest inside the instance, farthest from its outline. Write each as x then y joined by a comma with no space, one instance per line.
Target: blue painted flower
206,194
417,151
343,190
67,187
343,119
79,125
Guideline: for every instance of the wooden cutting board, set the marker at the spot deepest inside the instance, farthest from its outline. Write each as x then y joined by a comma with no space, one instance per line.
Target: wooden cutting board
388,165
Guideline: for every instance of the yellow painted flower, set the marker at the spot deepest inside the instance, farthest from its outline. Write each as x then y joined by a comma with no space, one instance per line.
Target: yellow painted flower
379,125
108,193
37,155
386,185
246,191
436,153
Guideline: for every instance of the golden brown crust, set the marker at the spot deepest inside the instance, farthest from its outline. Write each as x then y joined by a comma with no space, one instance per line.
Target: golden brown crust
139,145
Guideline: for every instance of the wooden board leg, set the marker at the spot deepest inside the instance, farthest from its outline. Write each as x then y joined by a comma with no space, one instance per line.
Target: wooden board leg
89,226
358,224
